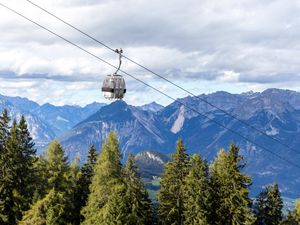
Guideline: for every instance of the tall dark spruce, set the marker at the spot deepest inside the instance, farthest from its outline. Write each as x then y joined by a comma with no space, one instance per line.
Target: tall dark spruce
137,198
231,189
197,193
56,206
84,182
17,160
107,201
171,194
7,203
268,206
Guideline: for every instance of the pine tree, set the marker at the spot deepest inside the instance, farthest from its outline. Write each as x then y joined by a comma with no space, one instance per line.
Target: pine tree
17,159
290,219
26,156
15,163
197,193
47,211
107,187
57,166
41,178
231,189
261,207
293,217
71,193
7,203
139,204
277,205
116,210
84,181
171,193
56,206
87,172
268,207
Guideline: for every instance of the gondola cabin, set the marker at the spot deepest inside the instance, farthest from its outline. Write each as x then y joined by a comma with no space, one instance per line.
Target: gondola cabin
114,86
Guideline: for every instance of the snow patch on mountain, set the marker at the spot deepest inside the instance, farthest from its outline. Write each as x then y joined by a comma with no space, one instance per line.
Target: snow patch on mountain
62,119
155,158
178,124
273,131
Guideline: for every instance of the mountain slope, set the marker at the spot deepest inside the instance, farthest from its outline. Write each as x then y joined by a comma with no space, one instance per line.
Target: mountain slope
151,163
46,122
275,112
125,120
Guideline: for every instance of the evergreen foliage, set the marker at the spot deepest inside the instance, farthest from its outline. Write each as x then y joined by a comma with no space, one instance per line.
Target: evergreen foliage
72,192
83,182
107,187
7,188
56,166
197,193
25,163
139,204
293,217
87,172
17,157
47,190
57,206
231,194
297,211
268,206
171,193
47,211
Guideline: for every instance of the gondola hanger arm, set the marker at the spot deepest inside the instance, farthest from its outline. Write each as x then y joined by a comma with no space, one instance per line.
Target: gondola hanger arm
119,51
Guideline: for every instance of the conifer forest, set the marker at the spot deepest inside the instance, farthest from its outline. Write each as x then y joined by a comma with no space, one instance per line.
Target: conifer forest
49,189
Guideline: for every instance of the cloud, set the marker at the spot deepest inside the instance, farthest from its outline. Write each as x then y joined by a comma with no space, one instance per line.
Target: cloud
248,44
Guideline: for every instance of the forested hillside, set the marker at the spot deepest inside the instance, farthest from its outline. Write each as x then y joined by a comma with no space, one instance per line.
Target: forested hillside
51,190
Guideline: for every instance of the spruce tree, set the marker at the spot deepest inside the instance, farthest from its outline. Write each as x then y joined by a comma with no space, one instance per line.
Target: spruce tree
87,172
7,203
116,210
197,200
15,163
47,211
17,158
262,208
290,219
56,166
83,183
26,157
293,217
56,206
276,205
107,187
137,198
268,206
72,192
231,189
171,193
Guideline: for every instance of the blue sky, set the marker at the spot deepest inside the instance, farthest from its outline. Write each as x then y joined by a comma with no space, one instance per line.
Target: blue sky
205,46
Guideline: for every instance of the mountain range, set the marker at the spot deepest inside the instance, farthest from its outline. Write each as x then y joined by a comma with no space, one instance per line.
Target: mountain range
274,112
46,122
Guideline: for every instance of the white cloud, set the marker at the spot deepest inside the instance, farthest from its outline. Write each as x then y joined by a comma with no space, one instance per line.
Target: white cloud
229,76
249,44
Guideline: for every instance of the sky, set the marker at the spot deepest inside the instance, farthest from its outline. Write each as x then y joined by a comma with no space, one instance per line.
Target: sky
203,46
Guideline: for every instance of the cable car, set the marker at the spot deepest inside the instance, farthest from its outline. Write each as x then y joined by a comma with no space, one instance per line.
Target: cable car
114,86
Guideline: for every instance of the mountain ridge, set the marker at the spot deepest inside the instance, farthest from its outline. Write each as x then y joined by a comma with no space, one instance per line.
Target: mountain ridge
267,111
275,112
